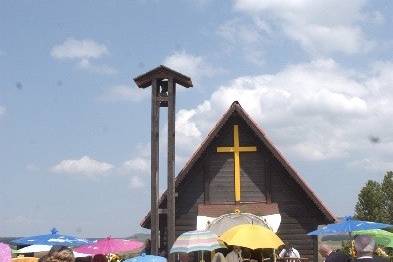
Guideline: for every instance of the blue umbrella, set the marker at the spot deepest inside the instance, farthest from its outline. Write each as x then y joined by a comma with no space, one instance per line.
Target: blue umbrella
51,239
146,258
347,225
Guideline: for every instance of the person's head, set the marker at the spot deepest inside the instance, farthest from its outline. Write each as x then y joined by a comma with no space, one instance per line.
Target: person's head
286,246
364,245
246,254
183,257
43,258
324,250
147,244
60,254
162,252
99,258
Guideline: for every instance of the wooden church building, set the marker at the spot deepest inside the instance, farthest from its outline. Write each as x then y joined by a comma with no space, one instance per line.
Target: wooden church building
238,169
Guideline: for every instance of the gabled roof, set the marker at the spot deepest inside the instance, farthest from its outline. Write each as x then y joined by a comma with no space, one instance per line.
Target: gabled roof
236,107
162,72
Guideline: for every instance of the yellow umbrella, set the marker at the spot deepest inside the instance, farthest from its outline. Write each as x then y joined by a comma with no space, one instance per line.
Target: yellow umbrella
251,236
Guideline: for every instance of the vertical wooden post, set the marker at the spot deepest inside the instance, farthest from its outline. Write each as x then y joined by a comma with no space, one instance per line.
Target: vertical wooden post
268,180
206,182
171,166
155,128
162,96
315,244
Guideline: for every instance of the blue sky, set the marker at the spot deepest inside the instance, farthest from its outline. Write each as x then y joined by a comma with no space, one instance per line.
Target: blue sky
74,144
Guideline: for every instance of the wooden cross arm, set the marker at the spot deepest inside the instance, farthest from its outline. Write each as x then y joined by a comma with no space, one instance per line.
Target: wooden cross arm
228,149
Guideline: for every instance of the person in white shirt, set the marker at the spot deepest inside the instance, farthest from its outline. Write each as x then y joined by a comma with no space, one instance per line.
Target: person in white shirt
289,252
235,255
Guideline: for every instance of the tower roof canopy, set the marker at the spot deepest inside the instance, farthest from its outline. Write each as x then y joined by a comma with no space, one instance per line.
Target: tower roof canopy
162,72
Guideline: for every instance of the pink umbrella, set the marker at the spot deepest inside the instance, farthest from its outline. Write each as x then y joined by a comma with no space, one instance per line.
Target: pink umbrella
5,253
109,245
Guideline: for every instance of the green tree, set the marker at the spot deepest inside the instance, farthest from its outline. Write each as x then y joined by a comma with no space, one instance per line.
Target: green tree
375,200
387,190
369,206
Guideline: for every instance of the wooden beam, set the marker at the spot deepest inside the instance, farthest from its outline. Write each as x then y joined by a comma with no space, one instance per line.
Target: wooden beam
155,120
268,180
162,211
315,250
206,182
171,167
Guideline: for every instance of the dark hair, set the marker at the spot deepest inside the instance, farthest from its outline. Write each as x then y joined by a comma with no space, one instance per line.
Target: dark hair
246,254
57,248
60,254
99,258
43,258
288,251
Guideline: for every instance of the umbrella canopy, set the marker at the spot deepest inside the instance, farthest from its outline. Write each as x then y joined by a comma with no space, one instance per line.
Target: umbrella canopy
382,237
109,245
227,221
146,258
76,255
33,249
347,225
51,239
251,236
5,253
197,240
43,248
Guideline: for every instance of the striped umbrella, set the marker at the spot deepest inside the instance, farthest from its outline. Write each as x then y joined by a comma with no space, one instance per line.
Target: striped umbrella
197,240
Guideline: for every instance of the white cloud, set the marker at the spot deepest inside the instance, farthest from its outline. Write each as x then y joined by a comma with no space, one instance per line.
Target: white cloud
313,111
139,164
377,18
319,26
2,110
79,49
324,39
246,37
138,167
194,66
136,182
85,64
372,164
83,51
85,166
123,93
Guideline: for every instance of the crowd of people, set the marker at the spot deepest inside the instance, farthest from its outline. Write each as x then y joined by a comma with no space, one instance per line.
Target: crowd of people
364,246
65,254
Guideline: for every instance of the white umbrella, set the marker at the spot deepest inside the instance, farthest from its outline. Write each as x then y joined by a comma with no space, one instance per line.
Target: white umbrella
34,249
43,248
77,254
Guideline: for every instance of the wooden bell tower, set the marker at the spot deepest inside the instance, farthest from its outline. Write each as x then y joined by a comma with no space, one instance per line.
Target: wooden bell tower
163,81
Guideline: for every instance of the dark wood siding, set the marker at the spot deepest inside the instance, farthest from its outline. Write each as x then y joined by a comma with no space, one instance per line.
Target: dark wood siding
220,167
190,194
298,213
263,179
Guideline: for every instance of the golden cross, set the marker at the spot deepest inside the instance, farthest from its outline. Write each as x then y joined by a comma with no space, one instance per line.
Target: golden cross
236,149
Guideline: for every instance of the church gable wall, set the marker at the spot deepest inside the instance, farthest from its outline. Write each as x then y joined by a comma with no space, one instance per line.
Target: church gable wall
298,213
220,166
210,181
